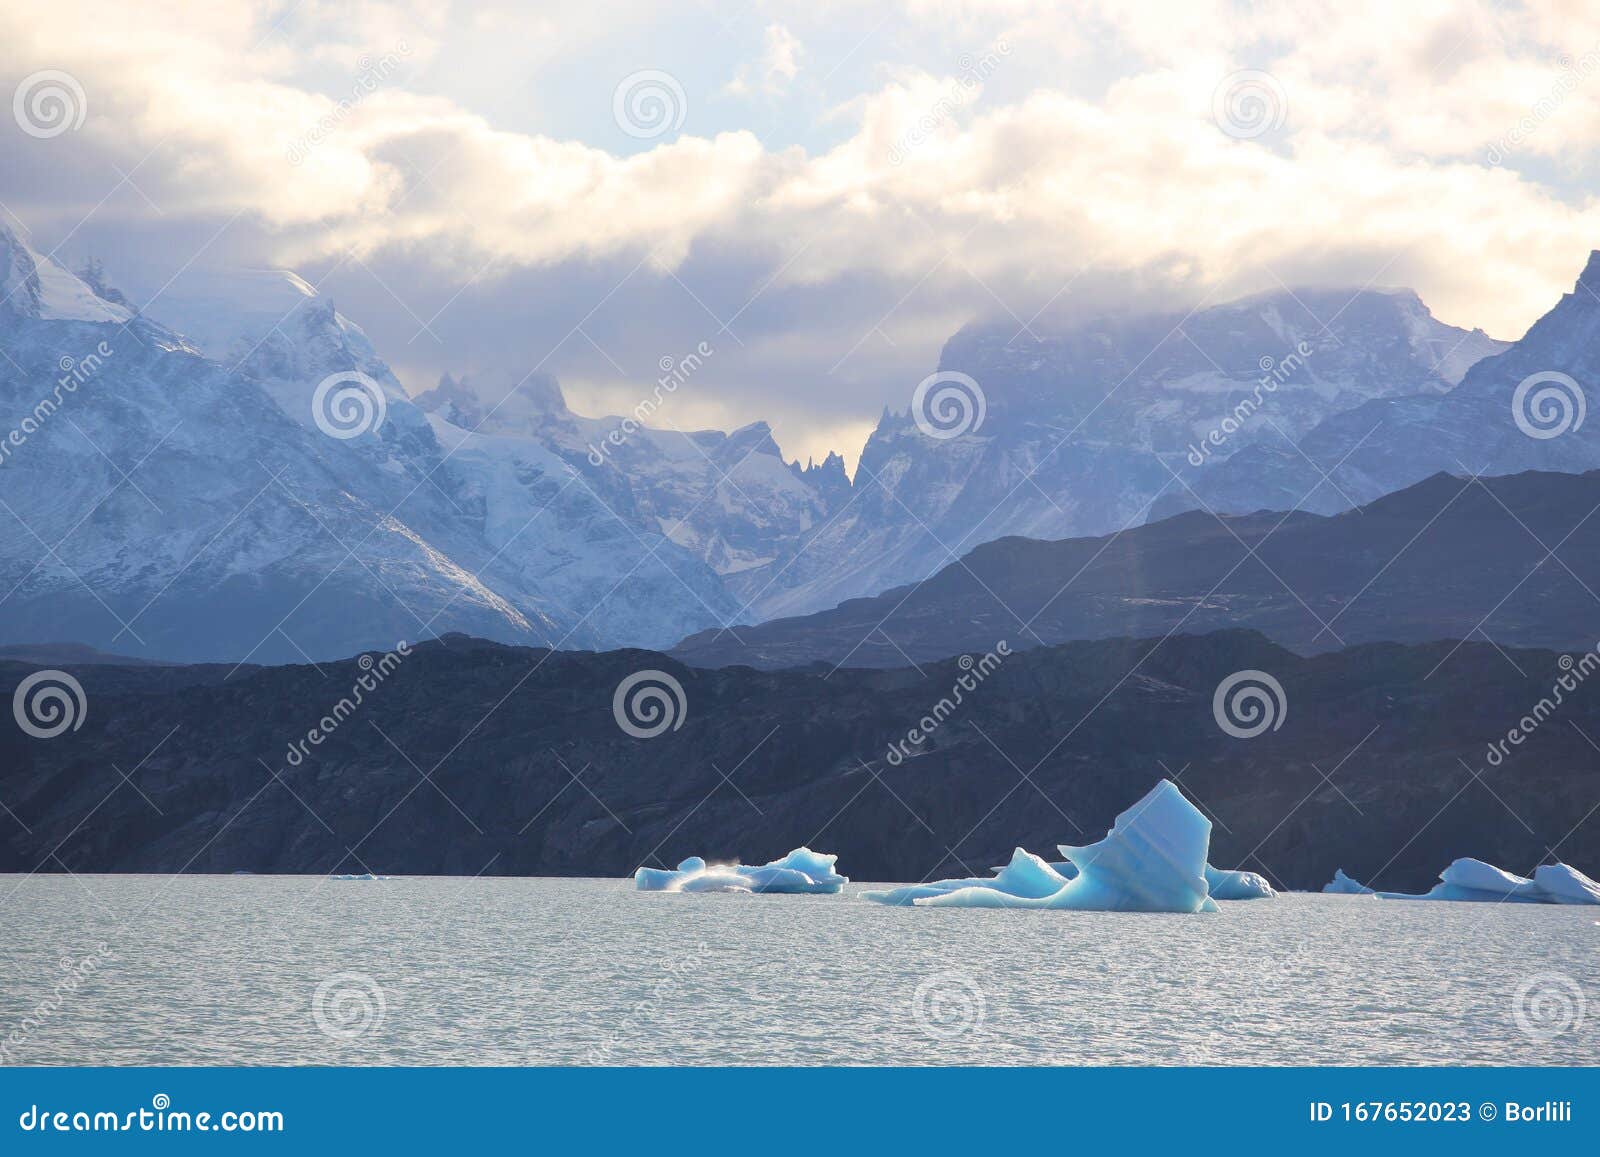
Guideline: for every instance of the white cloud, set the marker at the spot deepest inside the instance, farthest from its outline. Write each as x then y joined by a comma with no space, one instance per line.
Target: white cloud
938,200
778,65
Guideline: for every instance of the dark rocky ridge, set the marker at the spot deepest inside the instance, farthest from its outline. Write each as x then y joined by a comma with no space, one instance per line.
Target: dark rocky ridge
546,783
1447,558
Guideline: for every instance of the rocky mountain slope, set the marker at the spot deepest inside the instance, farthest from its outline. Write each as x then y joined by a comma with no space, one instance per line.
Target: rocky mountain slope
1490,424
478,758
179,495
1514,560
1085,426
181,500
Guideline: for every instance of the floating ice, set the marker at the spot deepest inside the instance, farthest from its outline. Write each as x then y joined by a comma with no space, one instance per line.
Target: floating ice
1474,880
1343,885
1026,875
801,871
1566,885
1237,885
1152,860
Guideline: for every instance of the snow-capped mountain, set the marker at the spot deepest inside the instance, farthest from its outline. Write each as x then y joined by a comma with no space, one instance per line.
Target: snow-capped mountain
1521,410
171,492
1083,429
183,485
728,499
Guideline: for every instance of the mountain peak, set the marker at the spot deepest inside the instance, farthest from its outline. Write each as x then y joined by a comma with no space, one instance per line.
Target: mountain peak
524,404
36,286
93,274
1590,277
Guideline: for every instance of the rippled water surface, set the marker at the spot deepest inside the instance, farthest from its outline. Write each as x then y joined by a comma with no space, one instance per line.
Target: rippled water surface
300,970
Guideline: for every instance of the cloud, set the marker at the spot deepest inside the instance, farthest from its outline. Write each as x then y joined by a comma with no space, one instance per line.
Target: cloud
778,65
1454,154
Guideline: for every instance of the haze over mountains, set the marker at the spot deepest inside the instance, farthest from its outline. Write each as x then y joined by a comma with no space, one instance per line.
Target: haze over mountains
183,501
1359,453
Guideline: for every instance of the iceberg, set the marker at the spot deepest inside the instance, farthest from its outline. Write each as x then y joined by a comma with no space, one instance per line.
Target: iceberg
1027,876
1152,860
1343,885
802,872
1566,885
1474,881
1237,885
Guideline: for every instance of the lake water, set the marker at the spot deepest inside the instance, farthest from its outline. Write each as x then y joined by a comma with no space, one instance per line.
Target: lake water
303,970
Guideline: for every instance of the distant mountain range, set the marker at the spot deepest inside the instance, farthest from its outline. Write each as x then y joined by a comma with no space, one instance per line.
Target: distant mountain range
179,496
1515,561
1378,765
1083,428
172,495
1480,427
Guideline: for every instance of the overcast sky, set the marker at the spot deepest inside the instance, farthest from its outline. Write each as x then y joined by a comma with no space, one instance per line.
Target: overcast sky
822,192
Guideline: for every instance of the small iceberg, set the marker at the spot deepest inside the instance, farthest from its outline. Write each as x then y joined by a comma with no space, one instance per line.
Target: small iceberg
1029,876
1562,884
1026,876
1343,885
801,872
1237,885
360,876
1152,860
1474,881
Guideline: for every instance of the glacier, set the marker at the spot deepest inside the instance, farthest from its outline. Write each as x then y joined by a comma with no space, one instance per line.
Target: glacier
1473,880
1152,860
801,872
1343,885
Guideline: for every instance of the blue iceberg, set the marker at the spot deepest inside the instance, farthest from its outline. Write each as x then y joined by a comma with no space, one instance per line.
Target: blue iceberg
802,872
1475,881
1025,876
1343,885
1563,884
1152,860
1237,885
